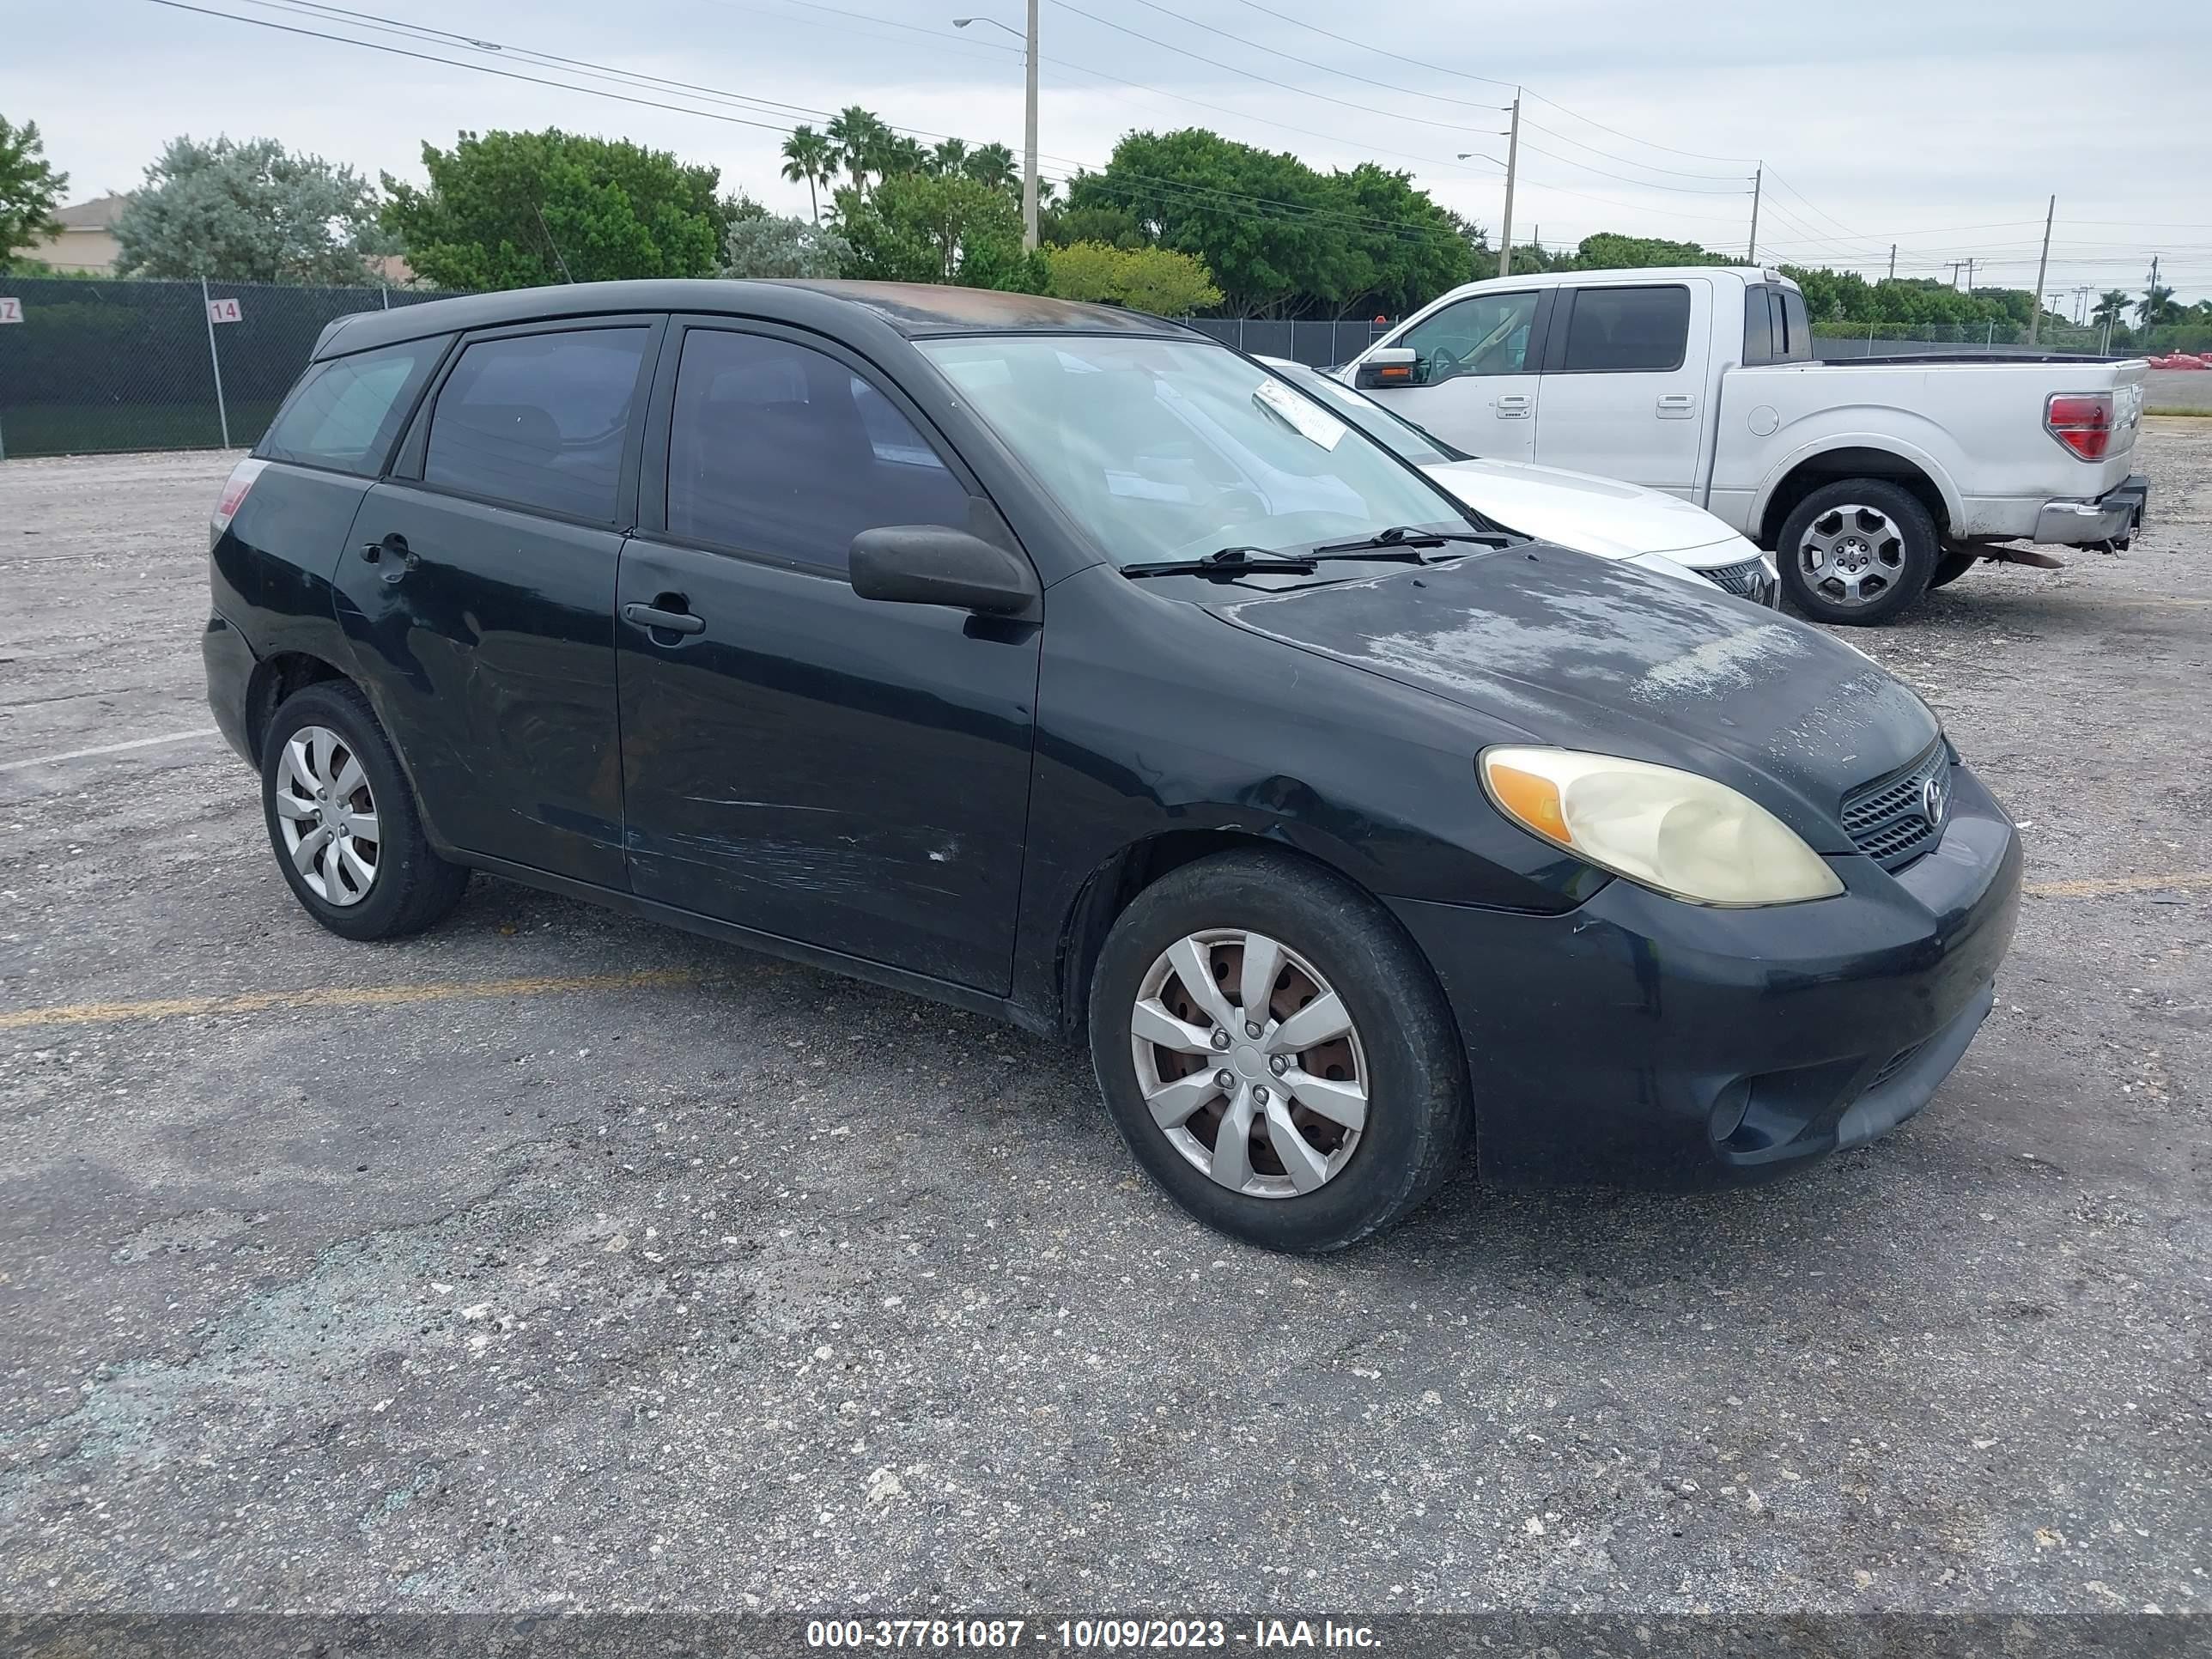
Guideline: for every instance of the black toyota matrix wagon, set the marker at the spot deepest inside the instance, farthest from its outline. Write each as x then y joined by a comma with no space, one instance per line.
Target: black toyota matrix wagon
1058,662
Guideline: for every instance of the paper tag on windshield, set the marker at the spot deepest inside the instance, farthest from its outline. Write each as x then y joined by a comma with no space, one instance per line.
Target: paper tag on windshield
1307,418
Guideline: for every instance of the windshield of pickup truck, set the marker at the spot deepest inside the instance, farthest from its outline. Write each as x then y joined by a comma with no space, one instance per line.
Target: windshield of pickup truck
1394,432
1173,449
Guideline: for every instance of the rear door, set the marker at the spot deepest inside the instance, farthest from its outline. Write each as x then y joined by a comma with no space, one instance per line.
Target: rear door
1624,388
796,759
479,591
1474,380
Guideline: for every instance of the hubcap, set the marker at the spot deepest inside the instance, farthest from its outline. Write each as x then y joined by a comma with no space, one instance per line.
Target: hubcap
1278,1110
328,816
1852,555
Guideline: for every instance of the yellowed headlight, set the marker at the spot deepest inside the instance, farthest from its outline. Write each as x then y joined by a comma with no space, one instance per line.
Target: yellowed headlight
1679,833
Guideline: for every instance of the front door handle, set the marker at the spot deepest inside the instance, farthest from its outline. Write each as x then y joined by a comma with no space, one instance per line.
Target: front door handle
674,622
395,547
1514,406
1676,405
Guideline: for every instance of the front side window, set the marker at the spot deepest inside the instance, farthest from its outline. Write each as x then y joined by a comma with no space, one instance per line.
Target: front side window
539,420
780,449
1627,330
1484,334
348,411
1401,438
1172,449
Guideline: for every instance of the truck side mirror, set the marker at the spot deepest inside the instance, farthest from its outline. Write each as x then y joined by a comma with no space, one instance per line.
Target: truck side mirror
1391,365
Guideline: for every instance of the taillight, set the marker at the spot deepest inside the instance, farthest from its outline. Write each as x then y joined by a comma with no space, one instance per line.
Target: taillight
233,497
2082,421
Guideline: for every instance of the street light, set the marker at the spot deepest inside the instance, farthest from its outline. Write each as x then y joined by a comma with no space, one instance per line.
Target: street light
1030,117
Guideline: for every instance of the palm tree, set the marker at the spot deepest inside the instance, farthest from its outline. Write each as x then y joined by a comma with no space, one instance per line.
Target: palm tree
899,154
858,135
993,164
2157,305
2111,306
949,158
813,156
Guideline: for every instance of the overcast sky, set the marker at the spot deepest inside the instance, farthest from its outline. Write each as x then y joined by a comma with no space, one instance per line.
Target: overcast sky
1941,125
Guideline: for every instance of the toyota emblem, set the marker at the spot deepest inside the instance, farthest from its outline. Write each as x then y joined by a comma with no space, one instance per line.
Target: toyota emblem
1931,801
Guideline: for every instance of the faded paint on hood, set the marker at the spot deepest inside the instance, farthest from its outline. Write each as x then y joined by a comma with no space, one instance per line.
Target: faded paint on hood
1596,655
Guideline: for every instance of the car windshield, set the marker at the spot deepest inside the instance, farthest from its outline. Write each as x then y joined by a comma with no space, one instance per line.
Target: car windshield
1393,431
1171,449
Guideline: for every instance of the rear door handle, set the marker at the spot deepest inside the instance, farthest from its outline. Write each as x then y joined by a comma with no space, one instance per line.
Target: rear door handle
675,621
1676,405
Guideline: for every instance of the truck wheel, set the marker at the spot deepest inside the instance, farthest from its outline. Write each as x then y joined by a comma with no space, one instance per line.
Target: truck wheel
1276,1053
1950,568
1857,552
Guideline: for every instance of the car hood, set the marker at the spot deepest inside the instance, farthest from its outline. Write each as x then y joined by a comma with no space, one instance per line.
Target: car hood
1579,510
1586,653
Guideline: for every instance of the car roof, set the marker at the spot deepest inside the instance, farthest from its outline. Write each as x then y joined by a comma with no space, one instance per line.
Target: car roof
914,310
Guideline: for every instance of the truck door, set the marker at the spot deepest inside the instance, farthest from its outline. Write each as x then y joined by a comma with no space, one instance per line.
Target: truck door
1474,376
1623,393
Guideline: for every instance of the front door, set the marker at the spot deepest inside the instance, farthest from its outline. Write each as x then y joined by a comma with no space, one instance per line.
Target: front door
1474,379
479,594
1623,395
845,773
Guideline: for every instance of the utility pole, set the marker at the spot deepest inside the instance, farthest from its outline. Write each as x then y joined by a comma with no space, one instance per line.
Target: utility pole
1512,166
1030,141
1758,179
1970,279
2042,266
1893,262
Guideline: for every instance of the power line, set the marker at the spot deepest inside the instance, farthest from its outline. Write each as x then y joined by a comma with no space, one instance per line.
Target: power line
1327,68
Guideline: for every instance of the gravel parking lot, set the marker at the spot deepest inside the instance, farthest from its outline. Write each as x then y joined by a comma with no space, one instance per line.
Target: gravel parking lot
554,1259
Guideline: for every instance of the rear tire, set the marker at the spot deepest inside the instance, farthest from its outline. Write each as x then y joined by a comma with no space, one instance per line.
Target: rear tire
1857,552
342,820
1345,1131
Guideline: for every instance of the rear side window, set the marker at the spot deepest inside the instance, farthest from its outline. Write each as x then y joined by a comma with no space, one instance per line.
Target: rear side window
779,449
1628,330
347,412
539,420
1793,335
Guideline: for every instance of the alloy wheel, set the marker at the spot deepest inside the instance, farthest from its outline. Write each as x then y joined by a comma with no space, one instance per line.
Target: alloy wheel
1852,555
328,816
1249,1063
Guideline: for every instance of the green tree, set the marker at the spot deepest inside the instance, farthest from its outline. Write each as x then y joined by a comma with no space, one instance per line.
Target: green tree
913,228
860,136
1154,279
1116,227
250,212
994,165
2157,308
2111,307
948,156
811,156
30,190
517,210
770,245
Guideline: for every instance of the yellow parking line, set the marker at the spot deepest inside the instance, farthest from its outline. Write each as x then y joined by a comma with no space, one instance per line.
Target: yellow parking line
340,996
2098,888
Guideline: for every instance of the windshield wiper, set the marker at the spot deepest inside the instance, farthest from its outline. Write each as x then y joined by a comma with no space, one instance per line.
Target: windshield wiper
1406,537
1225,561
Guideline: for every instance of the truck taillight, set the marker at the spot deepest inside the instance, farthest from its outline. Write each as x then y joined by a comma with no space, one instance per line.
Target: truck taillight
233,497
2082,421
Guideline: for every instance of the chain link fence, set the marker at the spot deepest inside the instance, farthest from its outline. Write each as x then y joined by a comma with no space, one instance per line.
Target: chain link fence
92,365
1322,344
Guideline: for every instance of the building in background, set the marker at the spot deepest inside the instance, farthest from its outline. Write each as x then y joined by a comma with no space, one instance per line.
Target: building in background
87,242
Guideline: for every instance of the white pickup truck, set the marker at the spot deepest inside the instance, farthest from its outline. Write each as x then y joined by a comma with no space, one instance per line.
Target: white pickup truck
1871,480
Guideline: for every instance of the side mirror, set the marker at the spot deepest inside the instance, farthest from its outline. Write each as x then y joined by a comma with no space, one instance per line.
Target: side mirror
1391,365
936,564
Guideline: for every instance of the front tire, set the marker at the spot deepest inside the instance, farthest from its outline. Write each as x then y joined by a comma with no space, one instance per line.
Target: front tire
1327,1115
1857,552
342,820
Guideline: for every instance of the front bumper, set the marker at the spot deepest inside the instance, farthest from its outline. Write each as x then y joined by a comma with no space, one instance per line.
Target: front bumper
1639,1040
2114,517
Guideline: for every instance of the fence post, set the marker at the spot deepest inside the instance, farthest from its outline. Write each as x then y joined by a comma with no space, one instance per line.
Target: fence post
215,361
1240,334
1990,338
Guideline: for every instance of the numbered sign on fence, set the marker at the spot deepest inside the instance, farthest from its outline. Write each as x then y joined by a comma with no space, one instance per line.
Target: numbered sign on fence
11,311
224,311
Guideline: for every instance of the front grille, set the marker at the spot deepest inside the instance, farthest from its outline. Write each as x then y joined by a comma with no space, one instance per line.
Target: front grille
1747,580
1891,821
